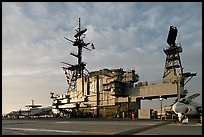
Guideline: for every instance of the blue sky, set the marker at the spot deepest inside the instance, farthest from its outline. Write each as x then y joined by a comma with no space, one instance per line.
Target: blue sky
128,35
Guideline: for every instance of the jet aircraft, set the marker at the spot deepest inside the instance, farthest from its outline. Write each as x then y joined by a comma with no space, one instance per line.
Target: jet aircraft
33,110
187,107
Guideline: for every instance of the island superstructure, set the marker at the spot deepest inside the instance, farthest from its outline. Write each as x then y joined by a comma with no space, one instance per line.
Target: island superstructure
110,92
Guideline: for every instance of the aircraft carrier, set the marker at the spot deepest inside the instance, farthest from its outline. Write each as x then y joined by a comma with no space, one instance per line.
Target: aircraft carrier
109,93
102,102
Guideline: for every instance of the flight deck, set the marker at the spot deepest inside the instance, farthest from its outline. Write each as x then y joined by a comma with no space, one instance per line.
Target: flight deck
99,126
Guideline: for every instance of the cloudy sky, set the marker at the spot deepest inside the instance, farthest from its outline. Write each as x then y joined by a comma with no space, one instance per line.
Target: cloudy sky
128,35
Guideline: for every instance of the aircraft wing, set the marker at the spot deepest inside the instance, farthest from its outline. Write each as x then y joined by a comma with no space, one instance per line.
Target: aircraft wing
193,96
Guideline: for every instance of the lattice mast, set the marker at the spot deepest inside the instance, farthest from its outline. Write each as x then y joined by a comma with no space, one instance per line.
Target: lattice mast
173,61
173,71
73,72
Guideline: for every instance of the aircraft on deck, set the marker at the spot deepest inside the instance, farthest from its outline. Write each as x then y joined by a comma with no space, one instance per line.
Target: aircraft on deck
187,107
32,110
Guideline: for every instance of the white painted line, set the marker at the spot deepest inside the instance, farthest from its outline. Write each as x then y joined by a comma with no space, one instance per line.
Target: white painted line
43,130
190,125
63,122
